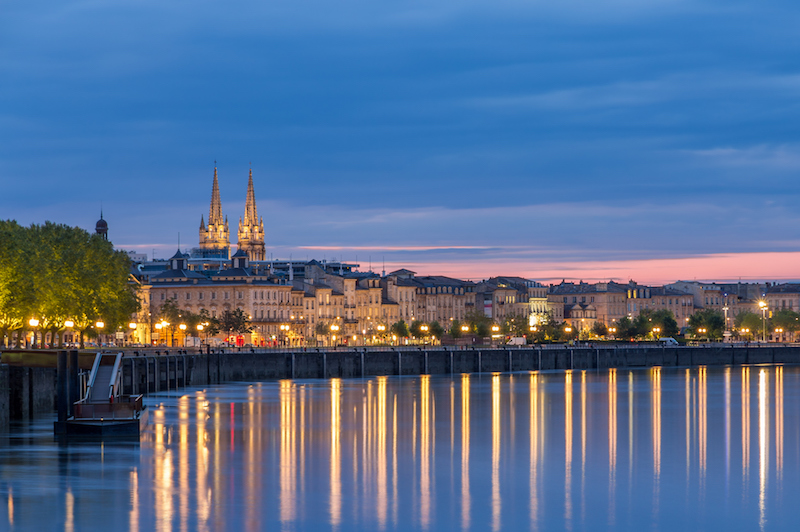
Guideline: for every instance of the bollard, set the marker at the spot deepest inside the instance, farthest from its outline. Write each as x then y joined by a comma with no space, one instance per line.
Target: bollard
61,393
72,387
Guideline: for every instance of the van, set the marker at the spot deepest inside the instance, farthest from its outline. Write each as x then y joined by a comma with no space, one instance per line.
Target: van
668,341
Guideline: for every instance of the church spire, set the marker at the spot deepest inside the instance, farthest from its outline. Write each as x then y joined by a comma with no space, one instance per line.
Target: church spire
215,212
214,238
251,228
250,211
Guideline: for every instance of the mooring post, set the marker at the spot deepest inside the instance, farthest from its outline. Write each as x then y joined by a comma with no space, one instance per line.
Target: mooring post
597,358
399,363
426,363
479,362
571,361
292,364
509,360
73,384
325,365
61,389
451,362
539,349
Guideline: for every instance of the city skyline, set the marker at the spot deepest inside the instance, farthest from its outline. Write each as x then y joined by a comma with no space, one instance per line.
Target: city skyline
573,140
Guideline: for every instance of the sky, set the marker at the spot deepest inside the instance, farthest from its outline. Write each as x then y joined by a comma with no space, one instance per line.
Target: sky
589,140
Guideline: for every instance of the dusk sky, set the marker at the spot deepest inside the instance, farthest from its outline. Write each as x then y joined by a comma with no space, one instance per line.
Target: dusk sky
653,140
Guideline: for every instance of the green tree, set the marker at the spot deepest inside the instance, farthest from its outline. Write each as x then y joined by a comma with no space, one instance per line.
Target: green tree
415,329
400,329
599,329
786,319
515,325
626,330
747,324
235,321
713,321
211,325
455,329
436,329
663,319
479,324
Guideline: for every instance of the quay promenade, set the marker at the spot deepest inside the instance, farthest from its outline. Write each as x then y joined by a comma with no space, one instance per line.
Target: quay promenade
28,378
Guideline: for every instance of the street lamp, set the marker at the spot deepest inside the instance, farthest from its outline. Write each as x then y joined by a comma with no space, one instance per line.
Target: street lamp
33,322
132,326
334,329
763,306
656,330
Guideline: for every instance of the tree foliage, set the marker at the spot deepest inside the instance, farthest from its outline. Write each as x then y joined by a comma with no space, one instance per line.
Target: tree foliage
400,329
663,319
713,321
235,321
436,330
56,273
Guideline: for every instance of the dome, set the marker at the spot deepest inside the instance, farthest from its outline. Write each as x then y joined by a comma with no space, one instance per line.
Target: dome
101,224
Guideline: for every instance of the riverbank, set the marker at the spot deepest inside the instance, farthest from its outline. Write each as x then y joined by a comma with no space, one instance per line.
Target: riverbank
28,391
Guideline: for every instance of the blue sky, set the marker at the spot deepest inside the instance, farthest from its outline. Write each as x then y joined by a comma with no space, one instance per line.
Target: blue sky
501,133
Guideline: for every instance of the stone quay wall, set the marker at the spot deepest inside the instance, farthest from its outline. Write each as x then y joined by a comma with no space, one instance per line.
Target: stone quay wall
30,392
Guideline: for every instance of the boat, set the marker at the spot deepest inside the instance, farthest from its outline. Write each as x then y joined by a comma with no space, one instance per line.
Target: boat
104,412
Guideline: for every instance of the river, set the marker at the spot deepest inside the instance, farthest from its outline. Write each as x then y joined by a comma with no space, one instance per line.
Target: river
660,449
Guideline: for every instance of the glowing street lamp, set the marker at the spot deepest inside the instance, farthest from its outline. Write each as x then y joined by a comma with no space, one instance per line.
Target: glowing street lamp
763,306
33,322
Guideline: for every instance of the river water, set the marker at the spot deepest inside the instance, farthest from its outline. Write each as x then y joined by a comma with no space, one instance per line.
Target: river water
658,449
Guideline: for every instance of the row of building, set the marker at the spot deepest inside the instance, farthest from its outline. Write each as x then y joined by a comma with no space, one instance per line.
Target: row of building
297,300
300,301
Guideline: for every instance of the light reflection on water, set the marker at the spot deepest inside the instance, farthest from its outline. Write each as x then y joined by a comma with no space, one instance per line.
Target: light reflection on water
577,450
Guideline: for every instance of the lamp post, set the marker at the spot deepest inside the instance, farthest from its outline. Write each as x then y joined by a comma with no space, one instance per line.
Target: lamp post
334,330
200,328
69,324
763,306
725,310
33,322
132,326
284,331
656,331
182,327
99,326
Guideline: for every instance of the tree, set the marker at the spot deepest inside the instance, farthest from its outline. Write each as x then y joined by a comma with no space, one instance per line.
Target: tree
515,325
599,329
415,329
786,319
400,329
235,321
626,330
436,330
211,325
663,319
713,321
747,324
455,329
55,273
479,324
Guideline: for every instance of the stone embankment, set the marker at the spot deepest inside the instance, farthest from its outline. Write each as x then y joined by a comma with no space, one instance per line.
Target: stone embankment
29,391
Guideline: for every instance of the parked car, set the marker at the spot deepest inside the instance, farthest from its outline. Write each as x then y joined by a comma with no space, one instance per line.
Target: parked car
668,341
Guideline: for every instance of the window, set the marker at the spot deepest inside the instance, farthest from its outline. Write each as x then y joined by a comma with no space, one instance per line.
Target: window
241,295
188,296
213,295
200,296
163,296
226,295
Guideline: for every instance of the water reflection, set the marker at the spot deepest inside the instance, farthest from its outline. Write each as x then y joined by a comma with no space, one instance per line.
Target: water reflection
373,454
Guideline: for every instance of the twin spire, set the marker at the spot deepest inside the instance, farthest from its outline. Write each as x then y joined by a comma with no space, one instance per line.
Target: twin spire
215,238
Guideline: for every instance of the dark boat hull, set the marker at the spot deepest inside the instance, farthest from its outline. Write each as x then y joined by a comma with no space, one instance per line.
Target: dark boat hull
105,428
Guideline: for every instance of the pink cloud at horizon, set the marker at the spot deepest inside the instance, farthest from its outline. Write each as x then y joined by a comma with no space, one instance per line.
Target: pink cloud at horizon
749,267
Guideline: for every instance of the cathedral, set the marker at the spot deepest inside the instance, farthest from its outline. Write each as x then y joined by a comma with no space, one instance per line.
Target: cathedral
215,237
